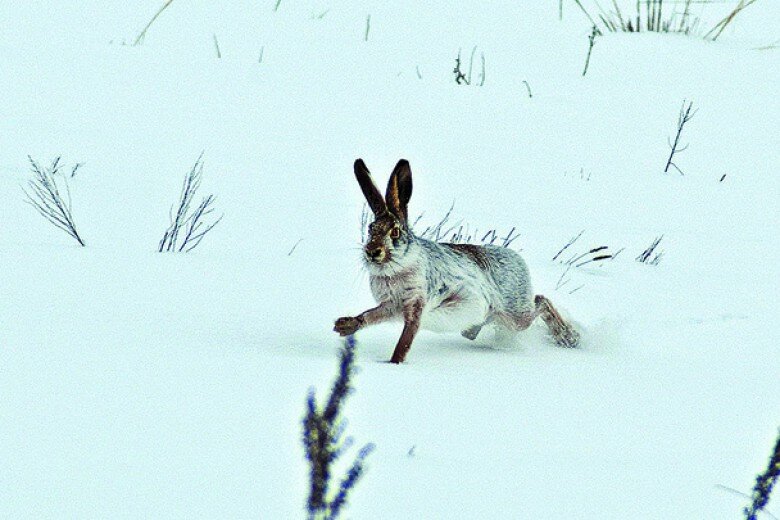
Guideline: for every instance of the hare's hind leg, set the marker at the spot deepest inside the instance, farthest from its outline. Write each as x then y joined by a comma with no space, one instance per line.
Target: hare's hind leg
472,332
564,333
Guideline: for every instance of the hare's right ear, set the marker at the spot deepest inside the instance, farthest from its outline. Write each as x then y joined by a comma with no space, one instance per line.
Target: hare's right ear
370,191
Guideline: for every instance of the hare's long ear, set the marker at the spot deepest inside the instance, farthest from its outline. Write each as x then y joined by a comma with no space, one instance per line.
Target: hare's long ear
399,189
370,191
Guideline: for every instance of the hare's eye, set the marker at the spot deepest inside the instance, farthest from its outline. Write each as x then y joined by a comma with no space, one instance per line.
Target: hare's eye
395,233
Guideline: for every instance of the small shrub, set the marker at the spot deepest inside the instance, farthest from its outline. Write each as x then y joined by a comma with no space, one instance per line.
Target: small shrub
576,260
48,192
447,231
459,233
663,16
462,78
686,114
192,224
324,443
650,255
594,33
764,484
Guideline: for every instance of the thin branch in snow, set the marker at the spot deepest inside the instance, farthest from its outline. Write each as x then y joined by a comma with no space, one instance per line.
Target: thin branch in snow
568,245
142,34
460,77
528,88
324,443
45,196
216,47
686,114
591,42
292,250
193,224
647,256
764,484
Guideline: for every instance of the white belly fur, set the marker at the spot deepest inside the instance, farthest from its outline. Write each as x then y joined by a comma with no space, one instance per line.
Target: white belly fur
455,318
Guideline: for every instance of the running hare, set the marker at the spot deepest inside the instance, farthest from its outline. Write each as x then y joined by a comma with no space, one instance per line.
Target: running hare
441,287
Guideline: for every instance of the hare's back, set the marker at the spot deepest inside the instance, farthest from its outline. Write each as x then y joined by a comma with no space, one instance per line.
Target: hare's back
505,271
509,272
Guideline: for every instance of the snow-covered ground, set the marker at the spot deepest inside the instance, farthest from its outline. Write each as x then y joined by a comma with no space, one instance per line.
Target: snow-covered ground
137,384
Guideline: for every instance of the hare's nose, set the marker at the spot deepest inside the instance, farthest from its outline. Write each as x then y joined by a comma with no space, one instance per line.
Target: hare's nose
374,253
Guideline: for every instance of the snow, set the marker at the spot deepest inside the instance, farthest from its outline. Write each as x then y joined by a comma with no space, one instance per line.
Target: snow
138,384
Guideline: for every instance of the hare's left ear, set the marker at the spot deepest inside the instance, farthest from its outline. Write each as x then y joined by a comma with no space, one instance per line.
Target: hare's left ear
399,189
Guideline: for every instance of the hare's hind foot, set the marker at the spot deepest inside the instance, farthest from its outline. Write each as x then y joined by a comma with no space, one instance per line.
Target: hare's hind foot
472,332
562,332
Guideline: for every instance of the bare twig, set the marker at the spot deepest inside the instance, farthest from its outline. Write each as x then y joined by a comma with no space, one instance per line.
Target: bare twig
323,432
193,224
773,45
568,244
216,47
563,280
44,195
721,25
294,246
466,78
459,76
591,41
528,88
368,27
646,256
471,63
142,34
685,115
764,484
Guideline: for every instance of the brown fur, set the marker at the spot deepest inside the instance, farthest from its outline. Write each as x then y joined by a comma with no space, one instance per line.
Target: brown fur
367,186
407,303
475,253
399,189
412,314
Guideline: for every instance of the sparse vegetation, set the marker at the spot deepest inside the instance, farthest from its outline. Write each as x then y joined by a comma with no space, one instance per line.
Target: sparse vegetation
462,78
459,233
764,484
447,231
216,47
142,34
721,25
663,16
686,114
191,224
650,255
591,42
49,193
528,88
324,443
592,255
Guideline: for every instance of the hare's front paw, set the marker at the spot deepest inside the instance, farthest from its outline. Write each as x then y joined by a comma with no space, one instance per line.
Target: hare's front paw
347,325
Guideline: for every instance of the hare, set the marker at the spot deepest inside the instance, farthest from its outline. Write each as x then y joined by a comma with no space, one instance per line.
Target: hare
438,286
